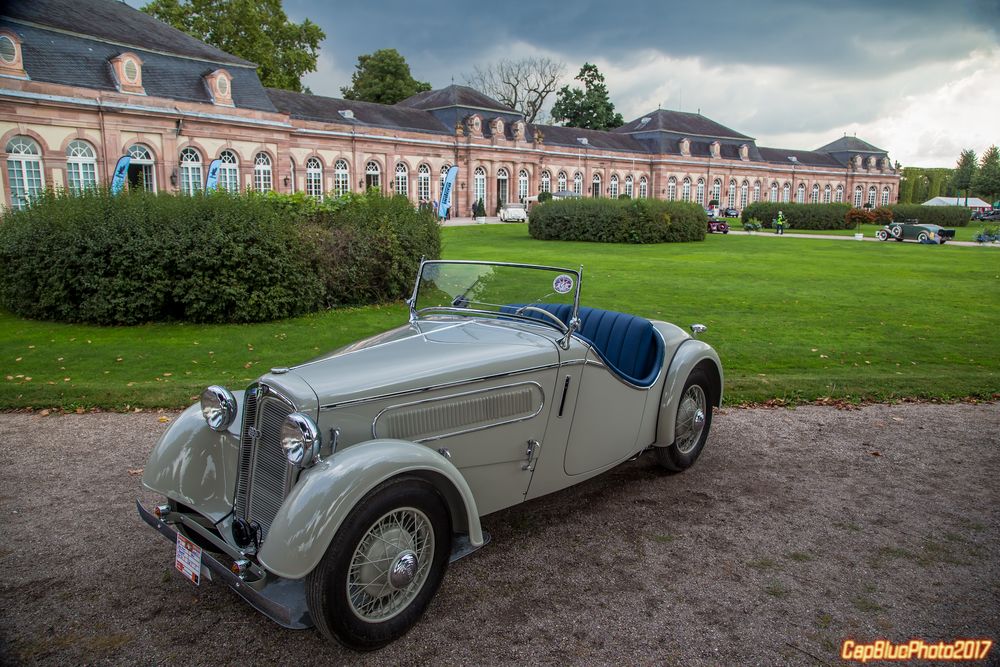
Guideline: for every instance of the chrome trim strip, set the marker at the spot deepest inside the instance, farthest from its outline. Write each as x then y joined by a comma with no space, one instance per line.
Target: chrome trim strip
460,394
433,387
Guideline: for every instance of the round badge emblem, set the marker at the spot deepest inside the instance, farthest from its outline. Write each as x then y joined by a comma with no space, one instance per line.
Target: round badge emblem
563,284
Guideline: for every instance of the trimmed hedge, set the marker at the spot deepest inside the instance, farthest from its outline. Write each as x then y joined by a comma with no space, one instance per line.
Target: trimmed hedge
138,257
945,216
799,216
618,221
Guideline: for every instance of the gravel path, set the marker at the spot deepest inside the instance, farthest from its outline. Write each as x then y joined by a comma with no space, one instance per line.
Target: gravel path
795,530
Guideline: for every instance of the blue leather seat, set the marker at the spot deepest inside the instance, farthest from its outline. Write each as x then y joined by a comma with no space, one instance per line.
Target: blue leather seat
628,344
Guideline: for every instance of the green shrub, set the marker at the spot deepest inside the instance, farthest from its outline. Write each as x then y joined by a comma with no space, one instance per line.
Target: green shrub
799,216
216,257
945,216
618,221
882,216
544,197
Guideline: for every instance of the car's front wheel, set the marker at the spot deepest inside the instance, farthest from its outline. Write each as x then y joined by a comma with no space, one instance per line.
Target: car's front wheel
383,566
694,419
882,235
922,237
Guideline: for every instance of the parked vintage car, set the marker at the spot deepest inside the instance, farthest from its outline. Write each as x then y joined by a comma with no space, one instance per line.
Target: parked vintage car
990,215
912,230
720,226
513,212
729,213
336,492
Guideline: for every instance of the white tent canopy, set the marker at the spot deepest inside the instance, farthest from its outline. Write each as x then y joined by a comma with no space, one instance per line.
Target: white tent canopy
974,202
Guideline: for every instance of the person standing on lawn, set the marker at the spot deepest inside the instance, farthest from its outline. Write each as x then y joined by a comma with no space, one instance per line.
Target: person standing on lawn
779,224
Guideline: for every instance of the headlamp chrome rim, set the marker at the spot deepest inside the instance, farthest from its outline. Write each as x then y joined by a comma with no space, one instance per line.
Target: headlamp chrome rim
218,407
300,440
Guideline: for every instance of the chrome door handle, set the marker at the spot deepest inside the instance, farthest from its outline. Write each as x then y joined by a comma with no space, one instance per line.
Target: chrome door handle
534,447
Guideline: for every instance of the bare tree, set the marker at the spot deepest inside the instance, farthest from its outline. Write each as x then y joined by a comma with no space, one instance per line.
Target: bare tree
522,84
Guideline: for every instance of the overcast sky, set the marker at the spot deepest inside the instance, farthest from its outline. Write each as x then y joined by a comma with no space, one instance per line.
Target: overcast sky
918,79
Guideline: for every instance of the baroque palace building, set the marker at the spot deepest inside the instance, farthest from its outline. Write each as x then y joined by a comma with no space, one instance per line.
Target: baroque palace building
84,82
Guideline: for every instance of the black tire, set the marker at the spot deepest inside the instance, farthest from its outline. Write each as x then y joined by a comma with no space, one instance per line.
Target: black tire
332,610
674,457
882,235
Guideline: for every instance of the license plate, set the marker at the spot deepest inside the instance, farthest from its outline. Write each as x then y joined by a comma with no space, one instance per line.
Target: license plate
188,560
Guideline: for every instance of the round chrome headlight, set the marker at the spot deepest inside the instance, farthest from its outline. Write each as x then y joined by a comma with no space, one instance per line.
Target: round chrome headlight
300,440
218,407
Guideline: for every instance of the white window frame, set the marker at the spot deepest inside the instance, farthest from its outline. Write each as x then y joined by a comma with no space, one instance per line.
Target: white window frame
314,178
800,193
671,188
613,186
699,192
756,191
774,191
373,175
561,181
263,175
814,194
859,196
545,183
643,188
479,187
596,186
839,195
786,192
522,185
717,191
401,183
423,183
341,178
686,189
81,166
731,194
191,177
886,193
872,196
503,185
26,178
229,172
744,194
578,184
827,194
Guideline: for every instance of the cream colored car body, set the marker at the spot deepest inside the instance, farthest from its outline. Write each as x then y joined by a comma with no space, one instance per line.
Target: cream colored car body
493,412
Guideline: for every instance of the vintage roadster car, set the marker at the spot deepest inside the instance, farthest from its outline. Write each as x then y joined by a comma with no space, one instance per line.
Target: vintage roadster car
336,492
513,212
913,230
718,226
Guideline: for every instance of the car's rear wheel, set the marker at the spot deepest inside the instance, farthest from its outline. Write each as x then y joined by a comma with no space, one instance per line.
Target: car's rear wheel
694,419
383,566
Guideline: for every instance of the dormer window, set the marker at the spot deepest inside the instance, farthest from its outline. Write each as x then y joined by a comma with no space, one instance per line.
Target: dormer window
496,127
475,125
128,73
10,55
744,152
715,149
220,87
685,146
519,130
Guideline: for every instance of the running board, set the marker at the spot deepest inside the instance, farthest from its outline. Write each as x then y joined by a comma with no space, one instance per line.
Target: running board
462,547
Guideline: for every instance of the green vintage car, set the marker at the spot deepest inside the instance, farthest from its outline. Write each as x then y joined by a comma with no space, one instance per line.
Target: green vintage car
913,230
336,492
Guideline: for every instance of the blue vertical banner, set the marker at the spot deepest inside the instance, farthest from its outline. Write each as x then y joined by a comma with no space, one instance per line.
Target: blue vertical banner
121,174
449,185
212,181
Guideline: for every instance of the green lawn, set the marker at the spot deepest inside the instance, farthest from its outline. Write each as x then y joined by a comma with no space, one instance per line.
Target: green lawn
798,319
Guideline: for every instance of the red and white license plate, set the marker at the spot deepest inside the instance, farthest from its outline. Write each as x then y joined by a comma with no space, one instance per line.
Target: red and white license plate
188,560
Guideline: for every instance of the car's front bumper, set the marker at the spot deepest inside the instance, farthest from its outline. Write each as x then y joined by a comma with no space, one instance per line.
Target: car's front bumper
281,600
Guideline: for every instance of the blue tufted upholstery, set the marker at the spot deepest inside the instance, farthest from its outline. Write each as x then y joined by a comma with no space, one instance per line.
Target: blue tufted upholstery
628,344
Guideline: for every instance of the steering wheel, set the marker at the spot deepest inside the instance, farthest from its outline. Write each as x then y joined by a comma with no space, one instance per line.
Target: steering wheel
555,320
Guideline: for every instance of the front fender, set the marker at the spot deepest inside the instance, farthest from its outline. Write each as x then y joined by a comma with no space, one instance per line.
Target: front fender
690,354
326,493
195,465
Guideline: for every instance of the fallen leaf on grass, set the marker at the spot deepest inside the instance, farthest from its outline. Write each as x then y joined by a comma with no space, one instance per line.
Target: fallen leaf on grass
876,453
163,420
80,411
897,419
43,413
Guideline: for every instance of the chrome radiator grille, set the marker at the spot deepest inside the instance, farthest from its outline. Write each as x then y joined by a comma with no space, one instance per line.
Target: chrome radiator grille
265,476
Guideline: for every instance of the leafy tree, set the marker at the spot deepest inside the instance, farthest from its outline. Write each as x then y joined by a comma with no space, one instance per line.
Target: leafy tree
383,77
591,107
256,30
986,182
961,180
522,84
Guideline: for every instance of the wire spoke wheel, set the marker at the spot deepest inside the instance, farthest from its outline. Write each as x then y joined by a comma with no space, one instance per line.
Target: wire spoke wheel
390,564
690,419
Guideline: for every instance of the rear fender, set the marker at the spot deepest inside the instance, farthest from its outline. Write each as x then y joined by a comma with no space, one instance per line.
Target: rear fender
691,354
326,493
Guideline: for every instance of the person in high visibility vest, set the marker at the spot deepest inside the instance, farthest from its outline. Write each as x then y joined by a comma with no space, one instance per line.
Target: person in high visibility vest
779,224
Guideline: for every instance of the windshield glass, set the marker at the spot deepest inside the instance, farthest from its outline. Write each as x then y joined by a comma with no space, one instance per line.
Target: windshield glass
495,289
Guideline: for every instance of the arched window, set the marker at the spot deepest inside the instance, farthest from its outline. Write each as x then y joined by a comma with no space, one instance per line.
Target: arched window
24,171
81,166
561,179
885,196
686,190
785,191
744,194
595,186
643,188
717,191
140,170
699,195
479,186
671,188
872,193
756,191
546,183
578,184
814,196
731,194
827,194
229,172
314,178
402,184
424,183
859,193
840,194
341,178
629,184
191,180
373,175
522,185
774,191
503,186
613,186
262,179
800,194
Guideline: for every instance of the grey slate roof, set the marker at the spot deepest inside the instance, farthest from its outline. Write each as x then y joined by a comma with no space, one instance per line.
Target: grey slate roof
680,122
846,143
808,158
115,22
56,57
327,109
453,96
555,135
